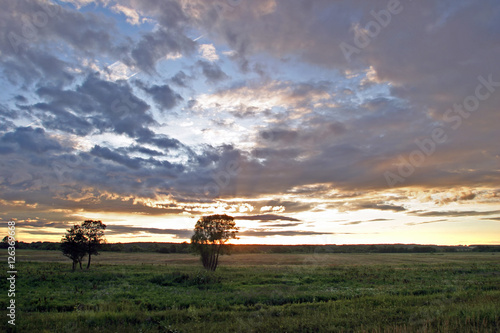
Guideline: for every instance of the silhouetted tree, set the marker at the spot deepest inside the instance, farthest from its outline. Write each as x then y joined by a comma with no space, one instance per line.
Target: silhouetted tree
5,242
73,245
94,237
210,236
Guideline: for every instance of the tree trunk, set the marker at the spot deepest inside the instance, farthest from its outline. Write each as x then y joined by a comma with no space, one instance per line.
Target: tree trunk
74,265
211,257
217,257
88,264
80,262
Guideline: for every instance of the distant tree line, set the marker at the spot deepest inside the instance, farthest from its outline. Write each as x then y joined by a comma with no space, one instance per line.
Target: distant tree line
147,247
185,247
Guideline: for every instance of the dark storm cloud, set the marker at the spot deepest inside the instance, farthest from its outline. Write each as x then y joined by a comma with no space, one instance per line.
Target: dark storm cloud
160,141
45,21
430,69
181,79
25,42
280,134
121,156
280,153
106,153
97,105
98,180
33,65
31,139
123,110
212,72
163,95
57,118
250,112
88,34
6,150
169,13
342,134
146,151
6,112
156,45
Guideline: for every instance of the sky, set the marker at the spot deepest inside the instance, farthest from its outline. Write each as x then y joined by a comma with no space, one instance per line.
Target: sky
310,122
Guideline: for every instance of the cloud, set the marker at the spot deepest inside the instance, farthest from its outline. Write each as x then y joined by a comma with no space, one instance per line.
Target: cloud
266,217
297,97
145,151
133,17
427,81
378,206
270,233
127,229
427,222
281,124
36,223
31,139
359,222
212,72
491,218
455,213
208,52
97,105
164,96
80,3
106,153
24,45
181,79
281,225
157,45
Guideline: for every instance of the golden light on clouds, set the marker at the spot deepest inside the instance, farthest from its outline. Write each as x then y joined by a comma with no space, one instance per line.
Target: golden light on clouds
252,109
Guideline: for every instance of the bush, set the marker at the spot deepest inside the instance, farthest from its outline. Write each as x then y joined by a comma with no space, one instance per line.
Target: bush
200,279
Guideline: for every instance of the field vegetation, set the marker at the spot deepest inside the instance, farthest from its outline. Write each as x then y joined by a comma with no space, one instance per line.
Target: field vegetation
318,292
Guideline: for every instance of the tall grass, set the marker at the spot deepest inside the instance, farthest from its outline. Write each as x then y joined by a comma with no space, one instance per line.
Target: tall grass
453,296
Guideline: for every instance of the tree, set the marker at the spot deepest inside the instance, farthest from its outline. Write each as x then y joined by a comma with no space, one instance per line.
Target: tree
83,239
94,237
73,245
210,236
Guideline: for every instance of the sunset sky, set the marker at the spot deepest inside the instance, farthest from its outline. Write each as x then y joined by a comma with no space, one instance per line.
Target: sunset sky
310,122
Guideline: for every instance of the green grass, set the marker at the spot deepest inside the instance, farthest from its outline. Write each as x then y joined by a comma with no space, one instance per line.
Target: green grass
149,292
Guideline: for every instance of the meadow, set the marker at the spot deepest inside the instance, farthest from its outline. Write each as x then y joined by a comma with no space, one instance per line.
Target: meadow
154,292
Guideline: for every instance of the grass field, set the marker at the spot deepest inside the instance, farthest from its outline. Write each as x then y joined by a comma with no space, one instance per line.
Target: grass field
152,292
